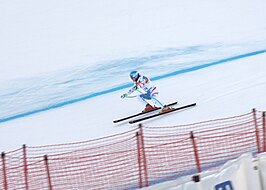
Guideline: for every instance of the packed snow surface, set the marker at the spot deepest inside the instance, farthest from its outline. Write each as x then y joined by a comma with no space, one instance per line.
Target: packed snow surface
64,64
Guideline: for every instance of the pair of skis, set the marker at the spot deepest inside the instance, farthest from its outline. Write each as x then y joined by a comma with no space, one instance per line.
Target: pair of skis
153,115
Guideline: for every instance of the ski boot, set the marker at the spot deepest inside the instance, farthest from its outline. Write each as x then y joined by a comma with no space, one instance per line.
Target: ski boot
148,108
166,109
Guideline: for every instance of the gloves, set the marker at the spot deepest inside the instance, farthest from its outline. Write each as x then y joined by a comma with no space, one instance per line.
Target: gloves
135,88
123,95
129,92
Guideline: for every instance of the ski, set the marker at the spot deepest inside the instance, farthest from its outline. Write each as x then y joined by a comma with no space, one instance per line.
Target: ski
162,113
141,113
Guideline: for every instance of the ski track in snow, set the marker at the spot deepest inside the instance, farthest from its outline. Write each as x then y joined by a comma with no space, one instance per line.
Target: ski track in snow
23,97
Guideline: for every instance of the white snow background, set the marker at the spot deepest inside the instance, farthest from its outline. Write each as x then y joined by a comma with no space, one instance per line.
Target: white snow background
65,63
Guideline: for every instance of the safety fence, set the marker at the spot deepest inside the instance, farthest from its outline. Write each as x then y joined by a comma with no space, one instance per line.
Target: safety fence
136,158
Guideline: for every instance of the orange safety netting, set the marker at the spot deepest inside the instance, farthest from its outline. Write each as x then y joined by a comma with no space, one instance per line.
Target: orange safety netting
136,158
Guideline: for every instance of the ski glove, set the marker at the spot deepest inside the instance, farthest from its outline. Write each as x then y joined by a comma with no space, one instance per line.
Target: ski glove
135,88
123,95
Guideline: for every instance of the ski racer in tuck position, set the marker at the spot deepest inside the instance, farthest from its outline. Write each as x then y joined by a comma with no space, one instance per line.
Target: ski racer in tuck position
149,93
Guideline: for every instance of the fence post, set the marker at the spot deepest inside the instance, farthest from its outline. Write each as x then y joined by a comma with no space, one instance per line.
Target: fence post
142,145
256,130
264,130
196,153
139,159
3,155
25,167
48,172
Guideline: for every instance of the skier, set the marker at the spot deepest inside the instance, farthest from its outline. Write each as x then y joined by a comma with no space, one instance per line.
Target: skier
150,92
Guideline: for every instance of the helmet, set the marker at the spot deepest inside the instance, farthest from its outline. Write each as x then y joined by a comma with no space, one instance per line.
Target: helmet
134,75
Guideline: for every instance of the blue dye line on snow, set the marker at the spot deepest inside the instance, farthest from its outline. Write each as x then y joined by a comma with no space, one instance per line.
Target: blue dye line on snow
182,71
195,68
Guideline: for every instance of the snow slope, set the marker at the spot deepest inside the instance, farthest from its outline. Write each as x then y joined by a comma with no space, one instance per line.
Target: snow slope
56,54
48,36
229,89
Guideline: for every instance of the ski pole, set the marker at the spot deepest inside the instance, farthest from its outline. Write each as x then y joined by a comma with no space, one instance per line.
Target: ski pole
131,96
